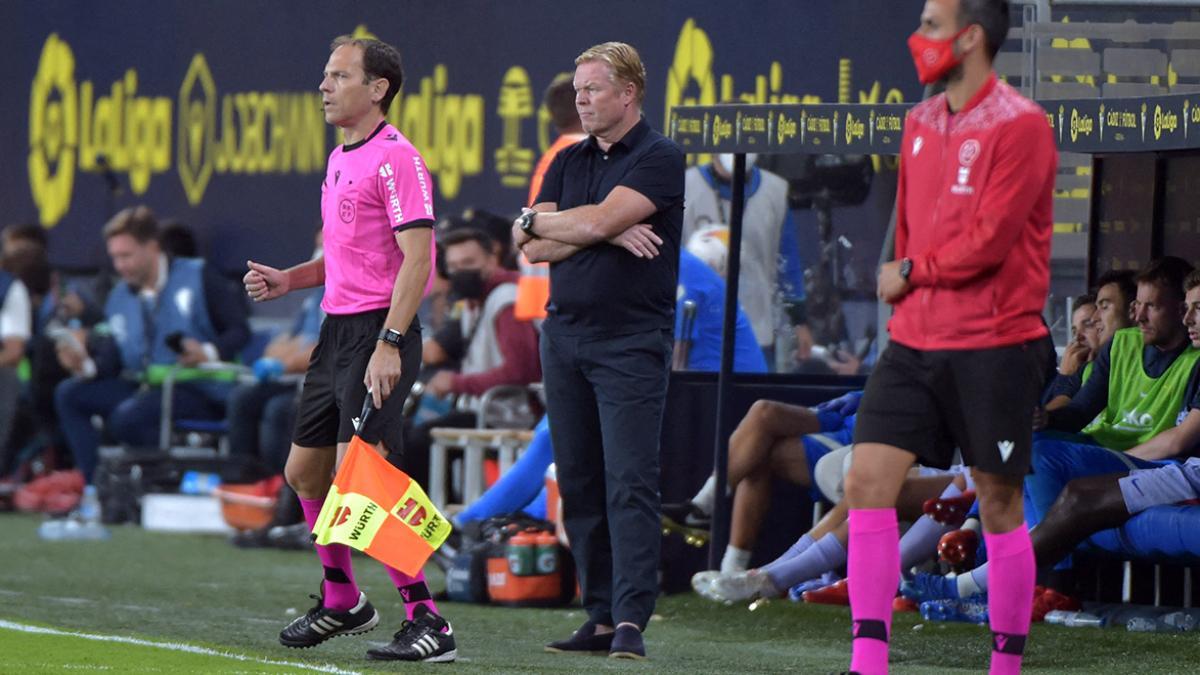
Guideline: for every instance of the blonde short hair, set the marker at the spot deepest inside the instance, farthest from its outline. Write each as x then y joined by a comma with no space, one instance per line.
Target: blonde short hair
623,61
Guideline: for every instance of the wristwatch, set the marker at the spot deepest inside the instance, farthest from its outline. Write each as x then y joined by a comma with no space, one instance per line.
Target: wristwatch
525,222
905,268
392,336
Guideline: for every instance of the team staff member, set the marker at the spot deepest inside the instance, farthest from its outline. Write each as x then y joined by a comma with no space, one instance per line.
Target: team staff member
964,367
377,214
606,341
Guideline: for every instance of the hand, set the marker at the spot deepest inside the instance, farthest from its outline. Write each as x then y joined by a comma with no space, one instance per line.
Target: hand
72,305
70,358
1040,418
192,353
639,240
440,384
383,371
1074,356
804,342
265,283
891,286
844,405
519,236
844,363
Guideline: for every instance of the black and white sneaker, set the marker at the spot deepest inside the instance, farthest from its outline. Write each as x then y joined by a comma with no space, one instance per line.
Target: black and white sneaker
428,637
687,514
321,623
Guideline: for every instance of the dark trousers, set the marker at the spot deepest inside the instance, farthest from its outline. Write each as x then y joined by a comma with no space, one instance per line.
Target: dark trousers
605,401
260,418
131,414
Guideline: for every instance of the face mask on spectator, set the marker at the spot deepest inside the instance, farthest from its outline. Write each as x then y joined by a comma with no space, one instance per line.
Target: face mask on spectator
467,284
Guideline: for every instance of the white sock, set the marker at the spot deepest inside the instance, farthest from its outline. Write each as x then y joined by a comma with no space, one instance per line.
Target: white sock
968,585
707,494
735,560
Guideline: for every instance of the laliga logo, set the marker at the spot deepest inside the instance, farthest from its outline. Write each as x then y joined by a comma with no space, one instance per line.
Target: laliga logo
53,131
1164,120
197,123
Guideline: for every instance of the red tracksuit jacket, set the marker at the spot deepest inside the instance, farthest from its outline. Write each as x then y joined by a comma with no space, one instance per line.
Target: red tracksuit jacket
974,213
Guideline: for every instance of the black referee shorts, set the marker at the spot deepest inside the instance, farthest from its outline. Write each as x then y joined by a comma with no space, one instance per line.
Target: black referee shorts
333,387
980,401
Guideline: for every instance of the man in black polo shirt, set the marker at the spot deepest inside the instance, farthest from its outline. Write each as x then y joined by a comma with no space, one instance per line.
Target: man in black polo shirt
608,219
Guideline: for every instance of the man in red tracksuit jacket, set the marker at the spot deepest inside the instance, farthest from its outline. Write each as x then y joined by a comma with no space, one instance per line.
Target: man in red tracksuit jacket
964,367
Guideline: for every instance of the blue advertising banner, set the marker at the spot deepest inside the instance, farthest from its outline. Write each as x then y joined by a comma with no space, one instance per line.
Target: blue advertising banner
209,111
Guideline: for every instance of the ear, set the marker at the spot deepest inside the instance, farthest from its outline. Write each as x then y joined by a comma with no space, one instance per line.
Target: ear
974,37
379,87
629,93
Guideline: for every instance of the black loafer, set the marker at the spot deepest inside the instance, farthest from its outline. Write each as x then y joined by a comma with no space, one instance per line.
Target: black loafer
583,641
627,644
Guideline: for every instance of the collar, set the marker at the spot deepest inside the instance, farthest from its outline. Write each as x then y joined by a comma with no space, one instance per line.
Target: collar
725,188
975,100
164,268
359,144
631,138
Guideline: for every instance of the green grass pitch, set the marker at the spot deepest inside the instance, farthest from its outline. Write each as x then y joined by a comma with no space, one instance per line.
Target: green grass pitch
228,605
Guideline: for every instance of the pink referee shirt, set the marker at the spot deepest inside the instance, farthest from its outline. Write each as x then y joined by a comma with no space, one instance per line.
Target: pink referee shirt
372,189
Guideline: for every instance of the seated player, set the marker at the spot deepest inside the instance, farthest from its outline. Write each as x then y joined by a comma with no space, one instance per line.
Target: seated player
1088,505
1115,292
823,549
1136,390
773,440
1076,364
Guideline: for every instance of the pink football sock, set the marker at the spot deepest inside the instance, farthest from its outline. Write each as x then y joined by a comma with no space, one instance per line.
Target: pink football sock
1011,576
340,592
873,568
413,590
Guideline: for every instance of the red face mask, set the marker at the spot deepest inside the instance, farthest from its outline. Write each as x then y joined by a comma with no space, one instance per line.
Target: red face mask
933,58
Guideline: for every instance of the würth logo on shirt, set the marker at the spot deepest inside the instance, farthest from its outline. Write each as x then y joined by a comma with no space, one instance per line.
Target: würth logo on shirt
389,177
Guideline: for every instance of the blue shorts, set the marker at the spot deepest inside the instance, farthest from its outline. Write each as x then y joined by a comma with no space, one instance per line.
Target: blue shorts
1057,462
1170,484
1162,533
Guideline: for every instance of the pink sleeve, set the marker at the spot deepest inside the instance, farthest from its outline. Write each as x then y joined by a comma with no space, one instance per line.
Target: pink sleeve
406,187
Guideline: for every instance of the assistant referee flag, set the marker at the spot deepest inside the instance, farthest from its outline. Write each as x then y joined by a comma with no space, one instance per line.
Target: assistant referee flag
378,509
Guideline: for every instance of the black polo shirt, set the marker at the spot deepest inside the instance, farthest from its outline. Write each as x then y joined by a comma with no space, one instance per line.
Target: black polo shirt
605,289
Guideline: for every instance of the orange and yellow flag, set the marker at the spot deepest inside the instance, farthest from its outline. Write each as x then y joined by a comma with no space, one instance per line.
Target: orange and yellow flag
379,510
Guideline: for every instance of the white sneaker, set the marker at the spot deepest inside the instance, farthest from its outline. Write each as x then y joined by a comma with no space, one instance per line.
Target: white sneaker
702,582
741,586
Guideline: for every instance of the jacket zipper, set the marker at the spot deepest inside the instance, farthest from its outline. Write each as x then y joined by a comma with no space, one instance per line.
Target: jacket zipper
937,205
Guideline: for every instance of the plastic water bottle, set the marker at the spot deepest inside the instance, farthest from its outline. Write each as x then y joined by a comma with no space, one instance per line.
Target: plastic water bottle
72,529
1167,623
199,483
1074,619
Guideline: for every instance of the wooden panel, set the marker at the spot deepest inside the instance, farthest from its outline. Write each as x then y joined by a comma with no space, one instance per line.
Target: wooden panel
1068,246
1053,90
1068,210
1072,181
1010,64
1134,62
1068,62
1073,159
1125,89
1186,62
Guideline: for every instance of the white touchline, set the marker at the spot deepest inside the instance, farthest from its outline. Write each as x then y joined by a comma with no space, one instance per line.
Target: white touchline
172,646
